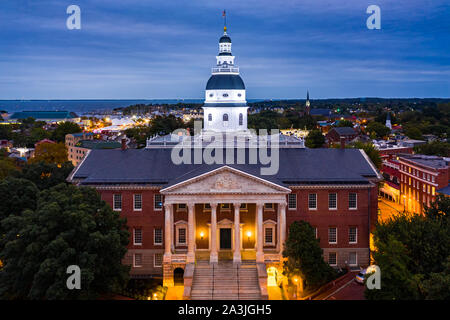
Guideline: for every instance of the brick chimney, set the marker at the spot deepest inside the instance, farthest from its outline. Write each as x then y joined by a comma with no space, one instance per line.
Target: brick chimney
342,142
124,144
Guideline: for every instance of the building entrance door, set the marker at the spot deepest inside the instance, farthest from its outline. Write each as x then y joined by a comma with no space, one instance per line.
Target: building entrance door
225,238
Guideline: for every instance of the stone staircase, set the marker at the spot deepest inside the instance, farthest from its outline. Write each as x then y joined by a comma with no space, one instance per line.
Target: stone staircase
225,281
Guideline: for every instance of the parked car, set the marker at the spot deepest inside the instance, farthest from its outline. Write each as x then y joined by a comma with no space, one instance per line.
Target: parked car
360,276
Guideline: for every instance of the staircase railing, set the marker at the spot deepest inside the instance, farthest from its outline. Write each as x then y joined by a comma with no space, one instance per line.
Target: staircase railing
237,269
212,291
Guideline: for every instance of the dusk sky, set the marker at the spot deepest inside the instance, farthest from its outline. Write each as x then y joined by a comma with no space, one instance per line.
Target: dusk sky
156,49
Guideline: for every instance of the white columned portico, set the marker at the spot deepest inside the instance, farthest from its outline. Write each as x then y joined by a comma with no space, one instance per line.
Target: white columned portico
237,234
259,228
213,257
191,238
167,233
282,223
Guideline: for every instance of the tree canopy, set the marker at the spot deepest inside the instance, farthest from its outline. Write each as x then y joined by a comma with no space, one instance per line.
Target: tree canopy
315,139
377,129
50,153
304,257
59,134
45,175
436,148
70,226
412,251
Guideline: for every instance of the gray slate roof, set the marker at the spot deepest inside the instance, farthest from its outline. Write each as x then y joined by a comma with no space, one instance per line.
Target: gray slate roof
155,167
344,131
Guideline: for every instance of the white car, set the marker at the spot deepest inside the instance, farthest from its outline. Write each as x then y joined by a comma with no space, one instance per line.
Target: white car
360,276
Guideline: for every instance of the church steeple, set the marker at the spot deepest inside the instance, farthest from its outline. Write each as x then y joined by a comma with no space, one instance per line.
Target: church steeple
307,104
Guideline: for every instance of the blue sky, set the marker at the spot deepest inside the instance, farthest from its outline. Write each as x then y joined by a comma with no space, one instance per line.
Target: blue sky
154,49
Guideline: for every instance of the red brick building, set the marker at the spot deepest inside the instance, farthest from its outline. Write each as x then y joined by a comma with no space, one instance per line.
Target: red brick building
421,177
183,211
346,133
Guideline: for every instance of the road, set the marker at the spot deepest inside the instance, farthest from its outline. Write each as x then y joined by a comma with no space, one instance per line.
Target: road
388,209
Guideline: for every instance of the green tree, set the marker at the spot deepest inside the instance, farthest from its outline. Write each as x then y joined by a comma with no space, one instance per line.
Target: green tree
414,133
379,129
304,257
7,167
45,175
397,282
437,286
165,125
435,148
16,195
315,139
409,250
70,226
439,208
50,153
59,134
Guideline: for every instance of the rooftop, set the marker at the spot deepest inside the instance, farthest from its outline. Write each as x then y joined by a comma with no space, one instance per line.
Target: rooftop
297,166
98,144
434,162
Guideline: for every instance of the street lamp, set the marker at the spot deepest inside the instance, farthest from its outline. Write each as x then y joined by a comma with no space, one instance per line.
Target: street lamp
201,235
249,234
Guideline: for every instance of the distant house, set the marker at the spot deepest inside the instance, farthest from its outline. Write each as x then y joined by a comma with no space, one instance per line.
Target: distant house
43,141
47,116
335,134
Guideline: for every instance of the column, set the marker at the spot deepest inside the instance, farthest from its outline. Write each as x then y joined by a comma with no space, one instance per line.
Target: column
213,257
282,211
260,233
167,233
237,234
191,233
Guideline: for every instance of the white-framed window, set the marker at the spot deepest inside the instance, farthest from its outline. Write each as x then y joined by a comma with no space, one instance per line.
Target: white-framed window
157,202
352,258
269,235
157,260
332,258
332,235
268,206
137,202
353,235
137,260
332,201
312,201
432,179
181,235
352,201
225,116
137,237
292,201
157,236
117,202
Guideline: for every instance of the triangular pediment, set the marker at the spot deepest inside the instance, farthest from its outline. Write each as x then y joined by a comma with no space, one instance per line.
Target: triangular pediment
225,180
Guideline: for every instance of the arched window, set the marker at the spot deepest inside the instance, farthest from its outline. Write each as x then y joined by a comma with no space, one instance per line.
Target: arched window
210,117
241,119
225,117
